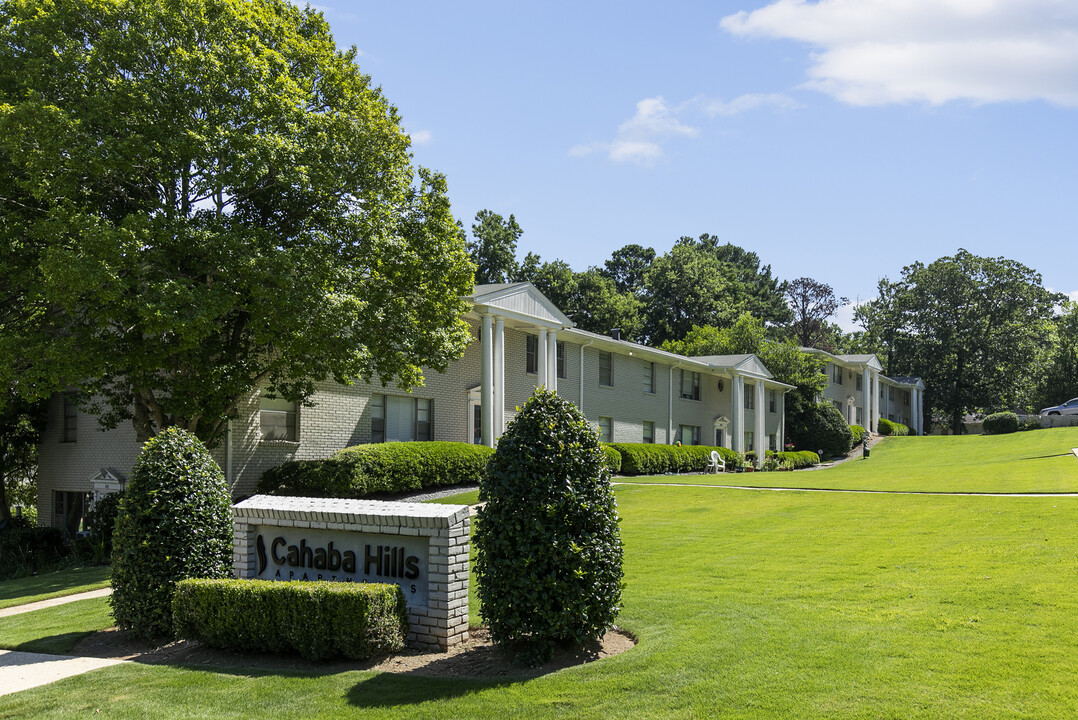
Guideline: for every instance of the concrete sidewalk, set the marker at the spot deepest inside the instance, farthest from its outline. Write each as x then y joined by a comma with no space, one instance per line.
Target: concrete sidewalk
52,602
24,670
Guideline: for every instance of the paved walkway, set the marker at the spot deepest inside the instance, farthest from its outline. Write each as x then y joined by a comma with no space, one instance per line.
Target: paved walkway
24,670
53,602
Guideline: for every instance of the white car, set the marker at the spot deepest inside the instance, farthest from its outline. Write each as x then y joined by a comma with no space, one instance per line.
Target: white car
1068,408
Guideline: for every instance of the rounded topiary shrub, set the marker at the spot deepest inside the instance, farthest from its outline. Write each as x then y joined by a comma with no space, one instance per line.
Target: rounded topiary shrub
1000,423
822,428
175,522
548,549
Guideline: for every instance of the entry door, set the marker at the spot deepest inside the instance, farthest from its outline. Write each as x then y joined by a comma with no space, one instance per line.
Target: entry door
718,437
477,424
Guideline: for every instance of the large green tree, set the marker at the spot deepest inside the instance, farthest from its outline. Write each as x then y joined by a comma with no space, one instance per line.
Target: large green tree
1059,379
969,326
21,425
812,302
589,298
493,248
201,197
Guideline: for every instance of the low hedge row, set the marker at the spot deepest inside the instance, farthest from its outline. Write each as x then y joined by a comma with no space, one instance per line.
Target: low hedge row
25,550
613,459
1000,423
361,470
798,459
889,427
319,620
652,459
858,434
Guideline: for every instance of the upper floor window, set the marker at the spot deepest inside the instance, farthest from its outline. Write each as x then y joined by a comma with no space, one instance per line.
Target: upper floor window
906,397
531,353
277,418
71,417
649,377
891,394
772,401
860,381
690,385
606,368
560,352
750,397
400,419
836,375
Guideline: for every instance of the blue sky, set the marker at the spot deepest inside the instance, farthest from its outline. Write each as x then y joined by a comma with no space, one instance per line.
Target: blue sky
839,139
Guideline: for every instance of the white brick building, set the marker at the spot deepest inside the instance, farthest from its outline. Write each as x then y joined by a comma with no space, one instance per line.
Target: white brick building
631,392
899,399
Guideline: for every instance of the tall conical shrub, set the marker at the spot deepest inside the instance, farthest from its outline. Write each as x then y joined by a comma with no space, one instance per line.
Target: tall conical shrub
175,522
548,548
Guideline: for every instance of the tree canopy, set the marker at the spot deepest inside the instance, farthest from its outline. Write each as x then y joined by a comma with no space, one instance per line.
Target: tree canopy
201,197
493,248
812,302
969,326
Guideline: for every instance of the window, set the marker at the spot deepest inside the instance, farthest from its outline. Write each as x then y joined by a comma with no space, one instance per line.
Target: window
719,438
477,425
689,434
859,416
69,509
749,446
836,375
649,431
531,352
402,419
606,369
772,402
860,382
772,442
690,385
649,377
750,397
606,429
891,394
71,417
906,397
560,352
277,417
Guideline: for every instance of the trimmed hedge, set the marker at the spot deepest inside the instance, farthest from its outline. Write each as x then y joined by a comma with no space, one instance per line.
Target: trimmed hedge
361,470
888,427
613,458
652,459
319,620
1000,423
25,550
799,459
858,434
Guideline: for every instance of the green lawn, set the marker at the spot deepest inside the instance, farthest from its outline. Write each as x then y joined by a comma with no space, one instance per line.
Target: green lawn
747,604
53,584
1039,461
56,629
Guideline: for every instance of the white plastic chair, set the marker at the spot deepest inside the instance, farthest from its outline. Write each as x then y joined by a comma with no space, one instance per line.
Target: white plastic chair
717,464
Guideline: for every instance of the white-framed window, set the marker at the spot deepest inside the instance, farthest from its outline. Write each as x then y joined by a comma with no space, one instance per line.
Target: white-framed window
649,431
277,418
750,397
891,394
690,385
649,377
773,442
860,381
396,418
772,402
606,369
531,354
606,429
749,445
71,418
836,375
689,434
559,351
906,397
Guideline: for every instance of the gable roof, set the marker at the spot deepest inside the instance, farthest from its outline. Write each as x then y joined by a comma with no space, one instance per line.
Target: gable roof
519,301
748,364
849,361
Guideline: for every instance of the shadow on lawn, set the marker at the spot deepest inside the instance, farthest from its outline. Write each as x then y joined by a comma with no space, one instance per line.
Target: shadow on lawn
388,690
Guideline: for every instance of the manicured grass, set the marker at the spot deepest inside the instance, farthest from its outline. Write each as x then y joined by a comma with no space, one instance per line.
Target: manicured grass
1039,461
747,604
465,498
53,584
56,629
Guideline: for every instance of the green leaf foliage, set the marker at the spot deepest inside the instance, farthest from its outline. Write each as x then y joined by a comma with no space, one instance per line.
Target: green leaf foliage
858,433
822,429
890,427
26,550
319,620
1000,423
175,522
205,197
797,459
548,549
652,459
101,521
361,470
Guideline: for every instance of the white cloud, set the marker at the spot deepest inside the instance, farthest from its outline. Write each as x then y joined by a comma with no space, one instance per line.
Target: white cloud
743,103
1073,295
421,137
875,52
640,138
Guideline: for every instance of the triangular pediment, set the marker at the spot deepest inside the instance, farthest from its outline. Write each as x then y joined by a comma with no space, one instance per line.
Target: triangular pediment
520,301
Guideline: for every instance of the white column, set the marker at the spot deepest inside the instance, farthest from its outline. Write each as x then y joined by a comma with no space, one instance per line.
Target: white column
499,377
580,407
876,388
737,413
540,351
886,402
866,399
919,411
552,361
780,438
761,427
486,383
670,410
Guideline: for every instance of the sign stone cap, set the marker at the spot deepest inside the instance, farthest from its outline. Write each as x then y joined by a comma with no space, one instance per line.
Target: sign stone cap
370,512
